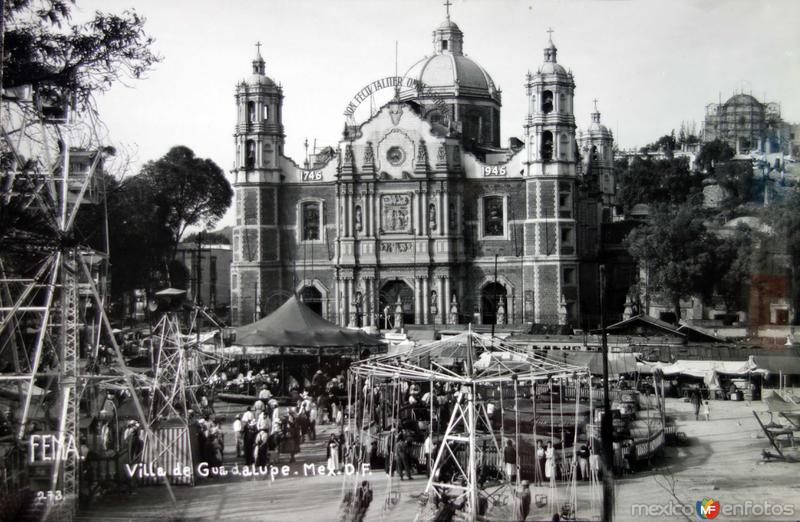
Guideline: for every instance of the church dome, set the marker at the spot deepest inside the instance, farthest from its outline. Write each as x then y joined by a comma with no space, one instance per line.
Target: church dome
552,68
597,129
258,76
443,73
449,24
449,72
551,65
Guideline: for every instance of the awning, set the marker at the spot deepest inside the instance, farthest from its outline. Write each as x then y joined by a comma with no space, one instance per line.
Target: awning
786,364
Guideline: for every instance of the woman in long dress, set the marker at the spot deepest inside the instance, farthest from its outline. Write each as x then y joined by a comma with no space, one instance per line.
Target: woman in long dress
549,463
333,453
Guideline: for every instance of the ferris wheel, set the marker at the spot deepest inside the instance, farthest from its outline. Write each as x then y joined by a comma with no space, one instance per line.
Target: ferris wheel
52,298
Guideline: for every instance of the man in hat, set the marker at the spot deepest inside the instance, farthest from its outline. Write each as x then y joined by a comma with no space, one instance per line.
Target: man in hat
318,383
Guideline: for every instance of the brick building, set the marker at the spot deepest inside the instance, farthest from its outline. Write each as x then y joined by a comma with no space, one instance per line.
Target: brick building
419,210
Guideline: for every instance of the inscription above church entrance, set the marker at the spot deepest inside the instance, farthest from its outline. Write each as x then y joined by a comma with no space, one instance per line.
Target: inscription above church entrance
395,213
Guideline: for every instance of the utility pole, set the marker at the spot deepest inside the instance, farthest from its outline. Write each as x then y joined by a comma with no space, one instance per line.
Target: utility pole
199,267
607,426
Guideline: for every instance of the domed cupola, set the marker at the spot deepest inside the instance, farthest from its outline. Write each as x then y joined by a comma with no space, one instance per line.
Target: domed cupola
550,65
258,76
597,129
453,89
448,38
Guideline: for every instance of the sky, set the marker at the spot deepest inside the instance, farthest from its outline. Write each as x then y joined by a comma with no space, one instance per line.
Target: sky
651,64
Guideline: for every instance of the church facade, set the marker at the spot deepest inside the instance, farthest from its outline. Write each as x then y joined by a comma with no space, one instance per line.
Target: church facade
419,215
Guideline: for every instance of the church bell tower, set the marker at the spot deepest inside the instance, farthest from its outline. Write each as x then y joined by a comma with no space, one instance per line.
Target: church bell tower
550,171
256,271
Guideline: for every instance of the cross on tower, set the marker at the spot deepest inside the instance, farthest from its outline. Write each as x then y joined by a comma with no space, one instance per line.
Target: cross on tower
595,104
258,48
550,33
447,5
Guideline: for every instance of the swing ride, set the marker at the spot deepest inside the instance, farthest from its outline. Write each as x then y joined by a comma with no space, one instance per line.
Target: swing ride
481,407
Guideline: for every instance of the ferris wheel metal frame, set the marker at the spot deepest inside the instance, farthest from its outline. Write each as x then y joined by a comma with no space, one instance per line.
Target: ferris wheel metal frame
37,178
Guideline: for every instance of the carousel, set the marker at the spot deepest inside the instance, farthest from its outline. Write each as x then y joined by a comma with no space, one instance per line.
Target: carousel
485,420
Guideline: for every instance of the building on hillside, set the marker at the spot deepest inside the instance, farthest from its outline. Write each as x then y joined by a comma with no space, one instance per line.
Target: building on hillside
747,124
418,214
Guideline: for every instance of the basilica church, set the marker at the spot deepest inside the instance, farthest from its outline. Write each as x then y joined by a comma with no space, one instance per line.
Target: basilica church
419,216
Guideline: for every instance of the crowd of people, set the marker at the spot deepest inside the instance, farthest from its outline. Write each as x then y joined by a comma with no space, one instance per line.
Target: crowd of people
268,429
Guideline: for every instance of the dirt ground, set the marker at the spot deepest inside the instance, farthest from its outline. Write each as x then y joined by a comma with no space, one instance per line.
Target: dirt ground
722,462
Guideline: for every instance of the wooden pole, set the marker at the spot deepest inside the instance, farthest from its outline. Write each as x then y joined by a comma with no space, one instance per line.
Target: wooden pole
607,427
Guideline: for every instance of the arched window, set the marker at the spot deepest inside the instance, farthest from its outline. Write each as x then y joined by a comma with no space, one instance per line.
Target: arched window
265,112
595,155
250,154
547,102
563,147
493,216
251,112
547,146
310,215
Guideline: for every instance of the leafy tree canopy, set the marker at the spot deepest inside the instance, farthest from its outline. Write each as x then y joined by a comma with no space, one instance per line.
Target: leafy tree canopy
677,252
187,190
42,48
656,182
712,153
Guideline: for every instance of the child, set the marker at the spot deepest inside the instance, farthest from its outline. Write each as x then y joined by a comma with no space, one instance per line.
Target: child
706,411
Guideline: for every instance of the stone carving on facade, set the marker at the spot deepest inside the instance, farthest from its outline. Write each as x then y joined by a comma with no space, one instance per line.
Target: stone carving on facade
442,154
359,223
395,213
434,303
501,314
398,314
432,216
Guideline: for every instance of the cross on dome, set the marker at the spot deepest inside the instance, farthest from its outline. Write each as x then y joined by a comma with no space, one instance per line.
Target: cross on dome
447,5
550,34
596,113
258,61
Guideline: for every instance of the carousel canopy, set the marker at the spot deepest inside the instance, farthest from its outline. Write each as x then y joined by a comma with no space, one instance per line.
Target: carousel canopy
296,325
467,357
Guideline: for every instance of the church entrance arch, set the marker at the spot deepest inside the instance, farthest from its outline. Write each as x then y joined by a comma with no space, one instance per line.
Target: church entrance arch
388,297
493,296
312,298
274,301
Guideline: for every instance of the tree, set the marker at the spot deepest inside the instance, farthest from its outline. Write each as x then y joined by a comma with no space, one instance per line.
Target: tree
734,259
656,181
187,190
64,61
737,178
677,253
784,218
139,238
712,153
